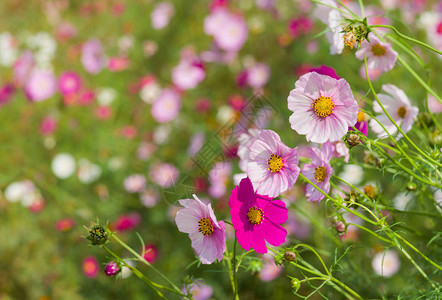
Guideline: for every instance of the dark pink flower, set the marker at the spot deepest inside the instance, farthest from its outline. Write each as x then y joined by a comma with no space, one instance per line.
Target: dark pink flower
150,253
90,267
127,222
112,269
69,83
256,218
118,64
6,92
65,224
48,125
325,70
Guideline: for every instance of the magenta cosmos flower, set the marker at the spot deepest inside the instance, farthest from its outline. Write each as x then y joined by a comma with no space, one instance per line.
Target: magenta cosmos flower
208,236
273,167
69,83
323,107
380,56
256,218
319,172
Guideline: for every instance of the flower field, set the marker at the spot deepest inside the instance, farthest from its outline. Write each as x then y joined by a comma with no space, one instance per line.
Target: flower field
251,149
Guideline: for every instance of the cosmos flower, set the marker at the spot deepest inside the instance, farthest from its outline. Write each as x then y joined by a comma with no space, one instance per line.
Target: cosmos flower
188,74
135,183
380,56
90,267
165,175
199,290
63,165
40,85
398,106
273,167
92,56
167,106
219,178
386,263
319,172
323,107
208,236
256,218
69,83
245,140
162,14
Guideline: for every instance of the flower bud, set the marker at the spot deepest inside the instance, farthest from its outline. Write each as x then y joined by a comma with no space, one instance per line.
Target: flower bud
411,186
340,226
296,284
290,256
353,139
97,235
112,269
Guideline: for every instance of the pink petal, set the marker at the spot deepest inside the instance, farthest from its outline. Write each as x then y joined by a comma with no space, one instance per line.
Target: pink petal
258,242
273,233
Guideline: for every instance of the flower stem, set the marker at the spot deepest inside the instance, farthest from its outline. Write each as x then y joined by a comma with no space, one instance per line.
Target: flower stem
235,296
407,37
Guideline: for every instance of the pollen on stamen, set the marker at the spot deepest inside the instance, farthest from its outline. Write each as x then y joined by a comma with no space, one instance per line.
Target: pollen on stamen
323,106
320,174
205,226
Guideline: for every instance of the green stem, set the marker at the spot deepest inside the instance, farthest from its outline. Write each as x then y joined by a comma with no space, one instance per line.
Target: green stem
146,263
407,37
317,255
235,296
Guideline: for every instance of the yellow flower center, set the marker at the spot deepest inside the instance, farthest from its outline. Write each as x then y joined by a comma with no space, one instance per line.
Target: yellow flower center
275,163
378,50
361,116
323,106
255,215
320,174
402,111
205,226
350,39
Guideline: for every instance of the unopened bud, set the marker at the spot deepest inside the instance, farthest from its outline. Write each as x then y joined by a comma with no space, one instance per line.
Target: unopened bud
112,269
290,256
353,139
411,186
97,235
296,284
340,226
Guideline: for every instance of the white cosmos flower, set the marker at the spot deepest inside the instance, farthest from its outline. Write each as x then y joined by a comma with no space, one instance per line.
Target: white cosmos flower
63,165
386,263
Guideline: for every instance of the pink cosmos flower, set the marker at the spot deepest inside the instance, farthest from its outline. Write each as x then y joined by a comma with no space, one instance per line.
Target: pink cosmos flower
167,106
256,218
40,86
103,112
318,171
69,83
199,291
361,124
23,67
127,222
65,31
150,253
162,14
135,183
258,75
149,197
92,56
208,236
245,140
373,74
219,178
65,224
269,269
433,105
380,56
6,92
398,106
90,267
188,74
323,107
228,30
165,175
48,125
273,167
118,64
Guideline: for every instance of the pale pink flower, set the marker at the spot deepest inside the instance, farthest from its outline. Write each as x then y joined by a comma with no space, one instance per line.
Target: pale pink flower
398,106
135,183
40,86
380,56
165,175
434,105
23,67
269,269
373,74
323,107
145,150
219,178
228,30
188,74
48,125
199,291
273,167
386,263
162,14
258,75
167,106
92,56
149,197
206,233
319,172
245,140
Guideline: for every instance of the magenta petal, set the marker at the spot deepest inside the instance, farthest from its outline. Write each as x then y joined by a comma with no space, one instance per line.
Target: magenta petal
276,212
258,242
274,234
244,239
